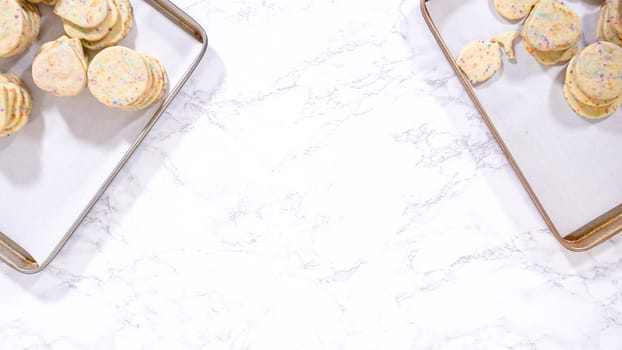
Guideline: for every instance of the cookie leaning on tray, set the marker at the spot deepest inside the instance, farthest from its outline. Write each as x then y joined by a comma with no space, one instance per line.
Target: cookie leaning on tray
118,77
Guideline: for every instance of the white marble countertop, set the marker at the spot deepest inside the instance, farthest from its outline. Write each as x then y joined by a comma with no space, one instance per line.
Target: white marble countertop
322,182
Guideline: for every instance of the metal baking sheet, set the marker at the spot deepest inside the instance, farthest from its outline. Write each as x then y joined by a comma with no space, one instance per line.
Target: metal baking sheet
53,171
569,165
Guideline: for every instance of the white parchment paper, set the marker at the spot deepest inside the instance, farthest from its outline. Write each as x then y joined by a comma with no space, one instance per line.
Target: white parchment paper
572,164
52,168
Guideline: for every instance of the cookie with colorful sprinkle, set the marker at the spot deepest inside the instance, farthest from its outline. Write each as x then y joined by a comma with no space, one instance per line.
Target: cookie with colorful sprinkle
59,67
479,60
514,10
122,78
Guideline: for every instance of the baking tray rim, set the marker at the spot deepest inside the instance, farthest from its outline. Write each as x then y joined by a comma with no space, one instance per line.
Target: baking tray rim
586,237
17,257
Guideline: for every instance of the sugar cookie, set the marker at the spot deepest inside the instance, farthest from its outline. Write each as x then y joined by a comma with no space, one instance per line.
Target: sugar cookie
74,31
552,26
514,10
479,60
83,13
59,68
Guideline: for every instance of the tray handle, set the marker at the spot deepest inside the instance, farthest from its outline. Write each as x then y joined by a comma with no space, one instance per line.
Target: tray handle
175,14
15,256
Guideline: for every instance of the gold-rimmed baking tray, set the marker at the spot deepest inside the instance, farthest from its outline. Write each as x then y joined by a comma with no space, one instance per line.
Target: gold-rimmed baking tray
55,169
569,165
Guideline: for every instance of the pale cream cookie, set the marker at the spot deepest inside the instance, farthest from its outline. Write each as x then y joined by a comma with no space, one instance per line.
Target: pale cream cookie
59,69
514,10
598,70
549,58
119,31
578,93
479,60
590,112
14,27
118,76
552,26
97,33
83,13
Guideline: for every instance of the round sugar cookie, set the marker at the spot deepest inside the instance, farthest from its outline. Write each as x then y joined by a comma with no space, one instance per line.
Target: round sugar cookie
13,26
586,111
24,42
83,13
579,95
552,25
96,33
118,76
33,22
514,10
598,70
119,31
58,69
549,58
479,60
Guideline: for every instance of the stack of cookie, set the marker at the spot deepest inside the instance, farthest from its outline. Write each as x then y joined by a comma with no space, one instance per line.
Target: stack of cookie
59,67
122,78
593,85
19,27
15,104
98,23
552,32
609,27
